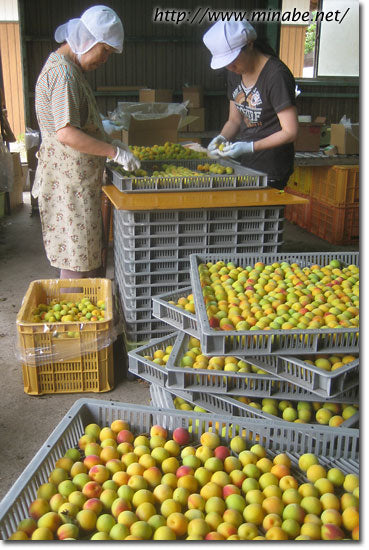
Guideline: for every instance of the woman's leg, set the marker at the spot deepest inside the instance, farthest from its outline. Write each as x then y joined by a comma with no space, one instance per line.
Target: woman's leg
68,274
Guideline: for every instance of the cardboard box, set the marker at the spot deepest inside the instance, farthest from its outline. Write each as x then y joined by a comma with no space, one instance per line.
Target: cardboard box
197,125
345,139
308,137
155,95
194,95
154,131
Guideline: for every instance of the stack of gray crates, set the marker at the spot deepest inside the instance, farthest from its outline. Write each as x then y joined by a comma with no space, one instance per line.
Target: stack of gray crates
279,357
152,249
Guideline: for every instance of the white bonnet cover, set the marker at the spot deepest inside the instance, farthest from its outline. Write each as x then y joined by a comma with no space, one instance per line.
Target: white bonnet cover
97,24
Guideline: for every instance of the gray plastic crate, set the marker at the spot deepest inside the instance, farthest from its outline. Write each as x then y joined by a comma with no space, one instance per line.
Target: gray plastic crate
148,217
242,178
140,337
220,405
226,214
226,405
157,278
234,383
234,242
197,235
276,437
147,291
149,255
281,342
290,369
213,228
146,325
181,252
324,384
173,315
252,226
134,303
146,369
154,266
133,315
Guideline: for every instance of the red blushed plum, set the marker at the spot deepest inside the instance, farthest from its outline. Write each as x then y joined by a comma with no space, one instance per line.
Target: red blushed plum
99,473
92,460
237,477
227,529
80,480
92,489
231,490
221,452
27,525
330,531
181,436
67,531
38,508
214,322
119,505
125,436
214,535
93,504
158,430
184,471
153,476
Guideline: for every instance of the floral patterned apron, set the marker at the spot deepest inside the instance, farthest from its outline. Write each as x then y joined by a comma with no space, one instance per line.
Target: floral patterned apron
68,186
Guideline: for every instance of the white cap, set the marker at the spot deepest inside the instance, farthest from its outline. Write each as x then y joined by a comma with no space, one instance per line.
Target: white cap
225,39
97,24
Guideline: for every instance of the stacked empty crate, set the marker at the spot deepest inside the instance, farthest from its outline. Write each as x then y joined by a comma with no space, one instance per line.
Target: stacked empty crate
333,210
152,247
279,354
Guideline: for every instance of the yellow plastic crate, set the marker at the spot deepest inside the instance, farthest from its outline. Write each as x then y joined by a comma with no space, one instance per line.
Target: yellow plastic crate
52,360
339,186
303,177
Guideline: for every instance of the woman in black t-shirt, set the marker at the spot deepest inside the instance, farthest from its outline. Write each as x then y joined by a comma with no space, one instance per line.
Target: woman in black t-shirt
262,111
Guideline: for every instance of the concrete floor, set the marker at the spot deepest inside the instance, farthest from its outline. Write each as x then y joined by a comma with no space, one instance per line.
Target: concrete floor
26,421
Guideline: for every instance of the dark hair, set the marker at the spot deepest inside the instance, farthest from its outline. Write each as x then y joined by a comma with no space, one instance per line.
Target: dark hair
263,46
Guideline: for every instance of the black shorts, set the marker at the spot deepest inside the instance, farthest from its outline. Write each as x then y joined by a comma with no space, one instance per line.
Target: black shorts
278,184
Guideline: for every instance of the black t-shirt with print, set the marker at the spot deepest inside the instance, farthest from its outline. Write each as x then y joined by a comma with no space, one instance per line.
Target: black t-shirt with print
273,91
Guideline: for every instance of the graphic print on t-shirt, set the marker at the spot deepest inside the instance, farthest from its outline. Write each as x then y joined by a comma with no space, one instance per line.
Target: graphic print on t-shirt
249,105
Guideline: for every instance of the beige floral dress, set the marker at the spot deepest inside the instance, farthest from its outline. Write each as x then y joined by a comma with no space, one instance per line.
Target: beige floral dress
68,187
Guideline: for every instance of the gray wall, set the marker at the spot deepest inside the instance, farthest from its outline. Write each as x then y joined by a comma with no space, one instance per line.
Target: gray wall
164,55
158,55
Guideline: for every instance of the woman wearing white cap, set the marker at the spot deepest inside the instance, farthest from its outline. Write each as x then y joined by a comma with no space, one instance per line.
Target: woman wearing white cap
262,112
74,144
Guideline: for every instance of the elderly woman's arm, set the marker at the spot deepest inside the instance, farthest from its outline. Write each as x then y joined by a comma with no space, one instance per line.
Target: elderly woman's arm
82,142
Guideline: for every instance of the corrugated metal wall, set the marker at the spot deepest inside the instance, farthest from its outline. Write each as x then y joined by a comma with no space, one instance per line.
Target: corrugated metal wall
330,101
162,55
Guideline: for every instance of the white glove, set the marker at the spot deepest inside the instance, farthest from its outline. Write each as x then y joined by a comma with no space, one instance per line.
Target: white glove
237,149
125,157
215,142
110,127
